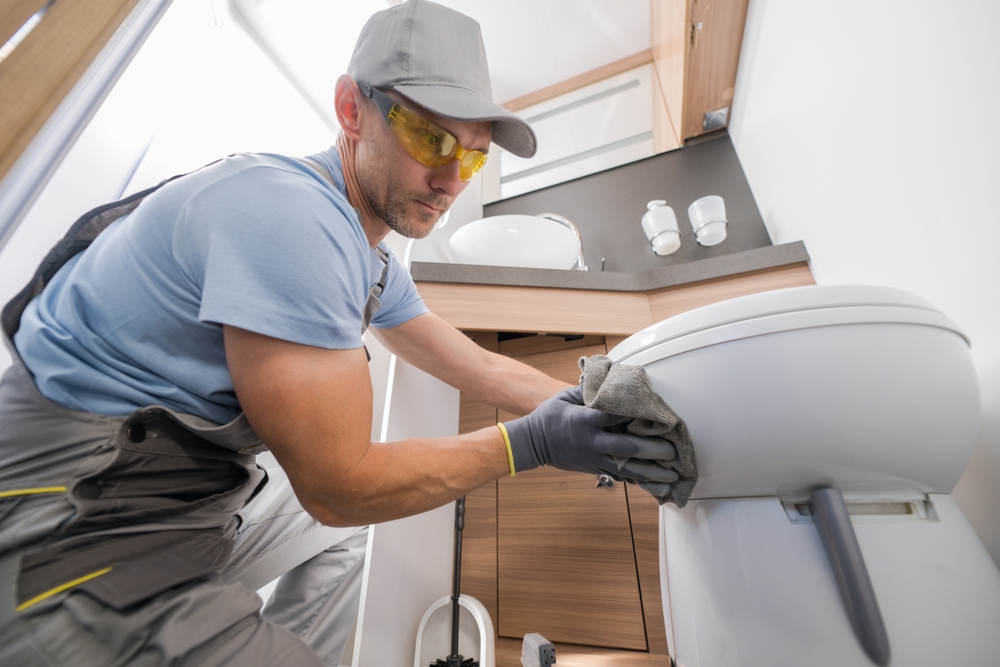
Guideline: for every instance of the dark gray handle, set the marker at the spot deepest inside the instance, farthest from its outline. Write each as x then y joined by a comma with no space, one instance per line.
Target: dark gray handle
841,544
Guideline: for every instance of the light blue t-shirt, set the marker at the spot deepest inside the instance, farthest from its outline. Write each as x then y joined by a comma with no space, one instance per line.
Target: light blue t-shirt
255,241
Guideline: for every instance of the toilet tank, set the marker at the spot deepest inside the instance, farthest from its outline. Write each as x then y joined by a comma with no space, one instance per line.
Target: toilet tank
867,389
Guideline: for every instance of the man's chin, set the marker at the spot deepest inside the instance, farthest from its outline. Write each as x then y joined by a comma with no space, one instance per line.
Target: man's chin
412,229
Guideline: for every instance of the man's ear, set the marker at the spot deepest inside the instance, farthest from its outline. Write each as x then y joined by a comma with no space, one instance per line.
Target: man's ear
347,103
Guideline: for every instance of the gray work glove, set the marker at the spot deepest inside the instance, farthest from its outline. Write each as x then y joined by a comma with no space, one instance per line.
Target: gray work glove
564,433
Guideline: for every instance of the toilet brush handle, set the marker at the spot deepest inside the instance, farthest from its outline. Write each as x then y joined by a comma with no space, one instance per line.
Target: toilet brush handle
457,574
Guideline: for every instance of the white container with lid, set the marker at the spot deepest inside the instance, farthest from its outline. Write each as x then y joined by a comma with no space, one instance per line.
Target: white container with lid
660,225
708,220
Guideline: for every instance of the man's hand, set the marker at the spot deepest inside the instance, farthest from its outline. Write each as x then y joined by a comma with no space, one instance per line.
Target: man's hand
313,408
566,434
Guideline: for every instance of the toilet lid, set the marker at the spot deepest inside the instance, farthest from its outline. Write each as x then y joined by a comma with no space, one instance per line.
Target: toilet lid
776,311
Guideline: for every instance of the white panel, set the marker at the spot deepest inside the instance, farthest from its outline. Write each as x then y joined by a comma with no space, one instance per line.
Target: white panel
637,151
749,588
585,121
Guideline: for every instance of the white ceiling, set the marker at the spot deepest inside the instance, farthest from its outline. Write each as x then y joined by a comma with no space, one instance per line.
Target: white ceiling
530,44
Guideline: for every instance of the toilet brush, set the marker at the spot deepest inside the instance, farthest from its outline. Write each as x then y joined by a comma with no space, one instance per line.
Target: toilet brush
454,659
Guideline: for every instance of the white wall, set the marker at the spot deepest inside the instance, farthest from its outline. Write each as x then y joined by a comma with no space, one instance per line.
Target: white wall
869,130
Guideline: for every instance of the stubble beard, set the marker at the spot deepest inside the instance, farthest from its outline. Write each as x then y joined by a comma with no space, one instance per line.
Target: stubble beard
392,209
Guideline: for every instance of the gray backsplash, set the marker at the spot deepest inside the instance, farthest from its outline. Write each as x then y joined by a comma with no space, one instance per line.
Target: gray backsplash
608,206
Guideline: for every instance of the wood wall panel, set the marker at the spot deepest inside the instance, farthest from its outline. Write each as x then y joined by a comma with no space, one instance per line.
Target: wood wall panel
565,562
508,654
669,302
43,68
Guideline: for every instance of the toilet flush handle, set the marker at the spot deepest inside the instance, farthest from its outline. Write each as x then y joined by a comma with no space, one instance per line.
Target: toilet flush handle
841,545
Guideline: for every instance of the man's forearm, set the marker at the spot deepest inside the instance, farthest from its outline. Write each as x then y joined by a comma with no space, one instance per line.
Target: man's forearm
513,386
313,407
402,478
437,348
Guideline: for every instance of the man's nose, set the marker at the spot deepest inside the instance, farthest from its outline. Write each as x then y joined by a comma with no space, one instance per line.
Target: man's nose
445,179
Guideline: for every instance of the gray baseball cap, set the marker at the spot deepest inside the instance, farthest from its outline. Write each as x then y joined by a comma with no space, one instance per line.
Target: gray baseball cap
435,56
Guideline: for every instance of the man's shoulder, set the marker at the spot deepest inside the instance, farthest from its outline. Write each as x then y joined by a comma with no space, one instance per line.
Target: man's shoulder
265,187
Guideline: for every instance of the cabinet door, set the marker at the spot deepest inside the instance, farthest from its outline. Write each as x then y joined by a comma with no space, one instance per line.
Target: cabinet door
713,55
565,561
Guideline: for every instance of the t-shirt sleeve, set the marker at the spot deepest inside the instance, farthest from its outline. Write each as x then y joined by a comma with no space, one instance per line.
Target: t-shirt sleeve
276,254
400,301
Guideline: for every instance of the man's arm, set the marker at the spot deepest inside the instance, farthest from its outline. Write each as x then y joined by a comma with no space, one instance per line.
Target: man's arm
313,408
436,347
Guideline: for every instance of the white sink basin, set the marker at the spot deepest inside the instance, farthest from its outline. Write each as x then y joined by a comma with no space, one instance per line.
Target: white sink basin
525,241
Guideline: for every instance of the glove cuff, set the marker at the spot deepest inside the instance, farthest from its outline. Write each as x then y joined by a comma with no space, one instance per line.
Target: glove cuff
506,442
522,452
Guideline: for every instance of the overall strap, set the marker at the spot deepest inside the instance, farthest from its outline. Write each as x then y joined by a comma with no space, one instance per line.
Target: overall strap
379,287
375,293
77,239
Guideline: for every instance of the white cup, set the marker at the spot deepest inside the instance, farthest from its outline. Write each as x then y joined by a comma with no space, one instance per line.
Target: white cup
708,220
660,225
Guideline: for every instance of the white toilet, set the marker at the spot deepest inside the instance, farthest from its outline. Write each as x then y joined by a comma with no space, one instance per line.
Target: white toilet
866,390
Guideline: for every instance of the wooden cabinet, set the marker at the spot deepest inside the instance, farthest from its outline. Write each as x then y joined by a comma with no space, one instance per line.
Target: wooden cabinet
696,49
549,551
565,563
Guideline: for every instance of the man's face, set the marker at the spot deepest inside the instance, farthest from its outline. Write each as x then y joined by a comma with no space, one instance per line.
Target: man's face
408,196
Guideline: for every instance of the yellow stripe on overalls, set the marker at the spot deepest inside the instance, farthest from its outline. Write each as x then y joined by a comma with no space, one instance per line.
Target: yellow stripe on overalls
31,492
62,587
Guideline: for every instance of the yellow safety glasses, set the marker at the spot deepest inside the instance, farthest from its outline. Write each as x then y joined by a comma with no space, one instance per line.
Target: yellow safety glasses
429,144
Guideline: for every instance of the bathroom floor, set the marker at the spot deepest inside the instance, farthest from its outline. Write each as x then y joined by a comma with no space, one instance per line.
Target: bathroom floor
508,654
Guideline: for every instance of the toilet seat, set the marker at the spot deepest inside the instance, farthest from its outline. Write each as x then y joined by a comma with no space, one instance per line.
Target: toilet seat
776,311
867,389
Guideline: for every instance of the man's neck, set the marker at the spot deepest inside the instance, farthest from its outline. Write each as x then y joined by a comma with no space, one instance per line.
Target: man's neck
375,228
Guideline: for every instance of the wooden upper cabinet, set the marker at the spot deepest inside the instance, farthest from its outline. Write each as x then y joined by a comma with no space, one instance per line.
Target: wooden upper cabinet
696,49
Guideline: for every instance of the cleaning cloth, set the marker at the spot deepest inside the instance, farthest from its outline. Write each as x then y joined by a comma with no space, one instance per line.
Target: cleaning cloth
625,390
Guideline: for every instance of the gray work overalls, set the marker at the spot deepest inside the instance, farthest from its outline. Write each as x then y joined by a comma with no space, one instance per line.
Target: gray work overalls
133,540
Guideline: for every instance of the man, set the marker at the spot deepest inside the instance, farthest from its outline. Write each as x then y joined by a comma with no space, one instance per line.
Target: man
173,332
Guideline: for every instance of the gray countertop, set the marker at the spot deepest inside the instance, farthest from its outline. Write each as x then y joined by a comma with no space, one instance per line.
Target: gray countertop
768,257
